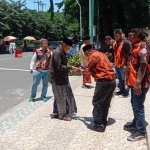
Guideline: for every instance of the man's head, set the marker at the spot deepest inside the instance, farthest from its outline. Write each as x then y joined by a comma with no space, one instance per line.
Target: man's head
44,43
108,39
86,40
136,34
87,50
118,35
67,44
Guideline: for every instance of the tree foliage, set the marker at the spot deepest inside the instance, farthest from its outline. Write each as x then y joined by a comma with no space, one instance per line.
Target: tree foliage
113,14
19,21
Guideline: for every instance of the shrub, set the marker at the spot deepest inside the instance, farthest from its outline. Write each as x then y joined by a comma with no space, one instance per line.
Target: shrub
74,60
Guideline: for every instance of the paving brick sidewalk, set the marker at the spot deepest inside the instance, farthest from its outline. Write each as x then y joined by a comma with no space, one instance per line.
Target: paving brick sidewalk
35,130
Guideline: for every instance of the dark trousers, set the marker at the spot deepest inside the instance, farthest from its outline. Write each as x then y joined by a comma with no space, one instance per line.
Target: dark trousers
137,102
101,100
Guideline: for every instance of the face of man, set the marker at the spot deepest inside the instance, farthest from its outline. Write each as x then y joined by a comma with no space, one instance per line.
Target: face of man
66,48
117,37
133,38
44,44
87,42
87,53
108,41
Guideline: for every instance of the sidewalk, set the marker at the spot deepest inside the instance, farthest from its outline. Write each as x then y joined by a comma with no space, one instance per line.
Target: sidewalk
32,128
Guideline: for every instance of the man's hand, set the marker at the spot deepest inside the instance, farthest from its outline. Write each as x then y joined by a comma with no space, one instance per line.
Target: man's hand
31,71
137,88
75,68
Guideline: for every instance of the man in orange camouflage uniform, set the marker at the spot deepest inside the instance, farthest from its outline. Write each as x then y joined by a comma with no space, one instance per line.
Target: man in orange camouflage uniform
138,79
121,50
101,70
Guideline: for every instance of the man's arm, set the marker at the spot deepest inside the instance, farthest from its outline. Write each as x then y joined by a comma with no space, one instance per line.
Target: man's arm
90,66
126,48
57,63
33,60
141,72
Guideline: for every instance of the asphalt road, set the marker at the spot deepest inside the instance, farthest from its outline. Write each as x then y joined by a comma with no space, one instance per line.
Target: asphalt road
15,85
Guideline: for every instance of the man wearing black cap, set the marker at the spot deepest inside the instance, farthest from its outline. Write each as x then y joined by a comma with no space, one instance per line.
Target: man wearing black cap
84,62
121,51
64,99
101,70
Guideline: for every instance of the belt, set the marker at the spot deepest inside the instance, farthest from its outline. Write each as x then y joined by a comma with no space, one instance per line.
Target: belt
103,80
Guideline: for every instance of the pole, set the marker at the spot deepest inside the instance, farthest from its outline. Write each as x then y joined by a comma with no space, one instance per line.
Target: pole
38,4
98,19
80,21
92,21
89,17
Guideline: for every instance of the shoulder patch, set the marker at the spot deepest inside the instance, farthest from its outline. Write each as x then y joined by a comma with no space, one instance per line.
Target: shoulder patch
144,51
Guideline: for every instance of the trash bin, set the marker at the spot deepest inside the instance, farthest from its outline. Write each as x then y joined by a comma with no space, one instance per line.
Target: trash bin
18,53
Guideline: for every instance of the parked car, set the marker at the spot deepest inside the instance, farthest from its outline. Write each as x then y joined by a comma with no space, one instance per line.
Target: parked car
54,44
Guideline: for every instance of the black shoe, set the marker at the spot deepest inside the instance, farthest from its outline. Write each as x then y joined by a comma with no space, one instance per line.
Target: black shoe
136,136
118,93
129,127
99,128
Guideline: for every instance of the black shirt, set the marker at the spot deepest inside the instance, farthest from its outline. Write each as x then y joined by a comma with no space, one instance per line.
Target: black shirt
59,69
110,50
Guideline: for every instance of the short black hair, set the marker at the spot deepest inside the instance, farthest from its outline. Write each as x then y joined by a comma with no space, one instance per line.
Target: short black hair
117,31
138,29
108,37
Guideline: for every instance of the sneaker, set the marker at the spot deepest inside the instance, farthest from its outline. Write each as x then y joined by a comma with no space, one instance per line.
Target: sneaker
31,99
136,136
118,93
129,127
45,99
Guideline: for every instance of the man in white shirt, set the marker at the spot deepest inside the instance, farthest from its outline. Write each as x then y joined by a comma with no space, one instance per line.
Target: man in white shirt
41,59
84,62
12,47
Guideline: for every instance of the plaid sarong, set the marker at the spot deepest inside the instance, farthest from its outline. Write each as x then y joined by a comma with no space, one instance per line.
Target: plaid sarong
64,102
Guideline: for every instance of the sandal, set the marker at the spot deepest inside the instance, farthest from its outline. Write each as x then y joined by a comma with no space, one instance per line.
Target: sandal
65,118
54,116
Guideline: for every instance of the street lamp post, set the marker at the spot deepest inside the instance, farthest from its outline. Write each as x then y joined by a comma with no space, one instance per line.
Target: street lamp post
80,21
91,19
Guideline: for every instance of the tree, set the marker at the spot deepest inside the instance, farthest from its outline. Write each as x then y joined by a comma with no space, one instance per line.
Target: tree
17,20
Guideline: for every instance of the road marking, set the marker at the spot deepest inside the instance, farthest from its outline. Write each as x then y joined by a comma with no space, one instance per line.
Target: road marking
14,57
8,69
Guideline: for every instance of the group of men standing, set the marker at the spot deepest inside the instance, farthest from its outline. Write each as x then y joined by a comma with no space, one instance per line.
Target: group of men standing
132,66
131,63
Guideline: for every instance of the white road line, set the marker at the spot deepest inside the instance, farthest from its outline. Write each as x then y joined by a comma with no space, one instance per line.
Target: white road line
8,69
14,57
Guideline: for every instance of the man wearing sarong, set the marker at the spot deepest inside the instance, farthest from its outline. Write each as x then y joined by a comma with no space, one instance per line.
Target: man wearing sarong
84,62
64,99
138,79
101,70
